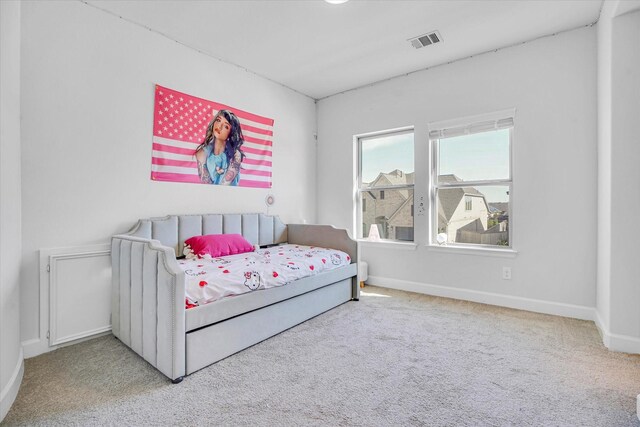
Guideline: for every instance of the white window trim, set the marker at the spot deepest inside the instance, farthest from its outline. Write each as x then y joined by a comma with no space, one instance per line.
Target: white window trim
357,223
481,250
497,117
389,244
502,119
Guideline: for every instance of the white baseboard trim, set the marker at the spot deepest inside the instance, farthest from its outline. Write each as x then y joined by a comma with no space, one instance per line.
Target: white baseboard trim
616,342
10,391
35,347
602,328
520,303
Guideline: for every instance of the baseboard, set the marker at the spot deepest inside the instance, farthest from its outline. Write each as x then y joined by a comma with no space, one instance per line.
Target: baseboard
10,391
602,329
36,347
616,342
528,304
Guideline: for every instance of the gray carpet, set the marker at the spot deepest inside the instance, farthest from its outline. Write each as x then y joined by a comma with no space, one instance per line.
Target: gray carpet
393,358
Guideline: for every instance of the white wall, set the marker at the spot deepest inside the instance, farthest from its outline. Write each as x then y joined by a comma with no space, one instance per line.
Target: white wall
603,278
87,104
552,84
625,269
11,364
618,295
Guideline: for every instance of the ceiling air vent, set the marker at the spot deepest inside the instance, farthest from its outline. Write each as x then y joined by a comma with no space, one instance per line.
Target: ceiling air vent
425,39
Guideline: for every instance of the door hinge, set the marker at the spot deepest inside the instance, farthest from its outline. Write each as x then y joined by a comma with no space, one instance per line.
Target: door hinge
48,268
48,334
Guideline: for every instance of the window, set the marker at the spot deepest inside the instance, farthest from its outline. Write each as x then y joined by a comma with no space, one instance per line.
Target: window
385,184
471,181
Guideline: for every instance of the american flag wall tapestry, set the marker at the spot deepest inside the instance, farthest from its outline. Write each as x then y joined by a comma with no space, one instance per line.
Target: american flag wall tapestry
201,141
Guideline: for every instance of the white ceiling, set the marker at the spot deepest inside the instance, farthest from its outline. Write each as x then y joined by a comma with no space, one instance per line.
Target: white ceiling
320,49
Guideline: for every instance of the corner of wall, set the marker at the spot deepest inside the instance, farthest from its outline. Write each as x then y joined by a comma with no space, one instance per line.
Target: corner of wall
603,254
616,342
616,295
10,391
11,353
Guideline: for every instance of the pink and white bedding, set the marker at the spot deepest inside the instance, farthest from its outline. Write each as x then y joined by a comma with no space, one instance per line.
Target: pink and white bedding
209,279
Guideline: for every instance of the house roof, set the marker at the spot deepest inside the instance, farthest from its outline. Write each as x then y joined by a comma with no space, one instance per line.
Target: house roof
449,200
500,206
450,197
406,203
395,177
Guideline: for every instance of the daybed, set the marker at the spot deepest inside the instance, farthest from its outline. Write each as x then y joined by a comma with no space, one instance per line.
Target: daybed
148,290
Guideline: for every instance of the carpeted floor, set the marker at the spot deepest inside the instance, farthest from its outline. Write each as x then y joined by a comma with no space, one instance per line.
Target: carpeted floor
393,358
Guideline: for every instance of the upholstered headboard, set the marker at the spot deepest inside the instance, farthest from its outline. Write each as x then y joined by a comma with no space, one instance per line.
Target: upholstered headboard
173,230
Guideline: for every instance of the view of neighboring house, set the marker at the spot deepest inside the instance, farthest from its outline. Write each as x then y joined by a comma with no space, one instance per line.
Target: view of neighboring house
391,210
464,214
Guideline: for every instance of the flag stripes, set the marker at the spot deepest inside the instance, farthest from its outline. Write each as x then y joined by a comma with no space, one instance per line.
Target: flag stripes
180,125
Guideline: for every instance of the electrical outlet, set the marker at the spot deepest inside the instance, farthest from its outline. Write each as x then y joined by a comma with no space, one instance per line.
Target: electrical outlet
506,273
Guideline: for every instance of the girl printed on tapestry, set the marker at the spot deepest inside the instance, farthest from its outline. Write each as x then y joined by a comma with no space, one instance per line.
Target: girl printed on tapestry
219,156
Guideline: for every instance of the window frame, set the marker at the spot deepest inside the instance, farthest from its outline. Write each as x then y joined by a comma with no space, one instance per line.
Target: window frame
468,203
435,185
359,189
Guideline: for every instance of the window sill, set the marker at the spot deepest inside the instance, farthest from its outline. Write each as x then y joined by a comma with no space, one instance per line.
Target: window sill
389,244
469,250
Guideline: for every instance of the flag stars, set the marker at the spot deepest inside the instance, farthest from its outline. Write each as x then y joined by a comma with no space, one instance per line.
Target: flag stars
160,102
171,96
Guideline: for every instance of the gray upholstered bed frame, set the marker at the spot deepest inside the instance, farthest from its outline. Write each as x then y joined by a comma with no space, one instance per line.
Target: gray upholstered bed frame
148,290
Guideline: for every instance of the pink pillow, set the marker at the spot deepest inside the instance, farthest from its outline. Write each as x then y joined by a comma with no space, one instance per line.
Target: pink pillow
219,245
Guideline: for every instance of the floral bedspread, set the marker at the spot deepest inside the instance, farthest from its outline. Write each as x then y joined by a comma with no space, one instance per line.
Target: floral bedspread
209,279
